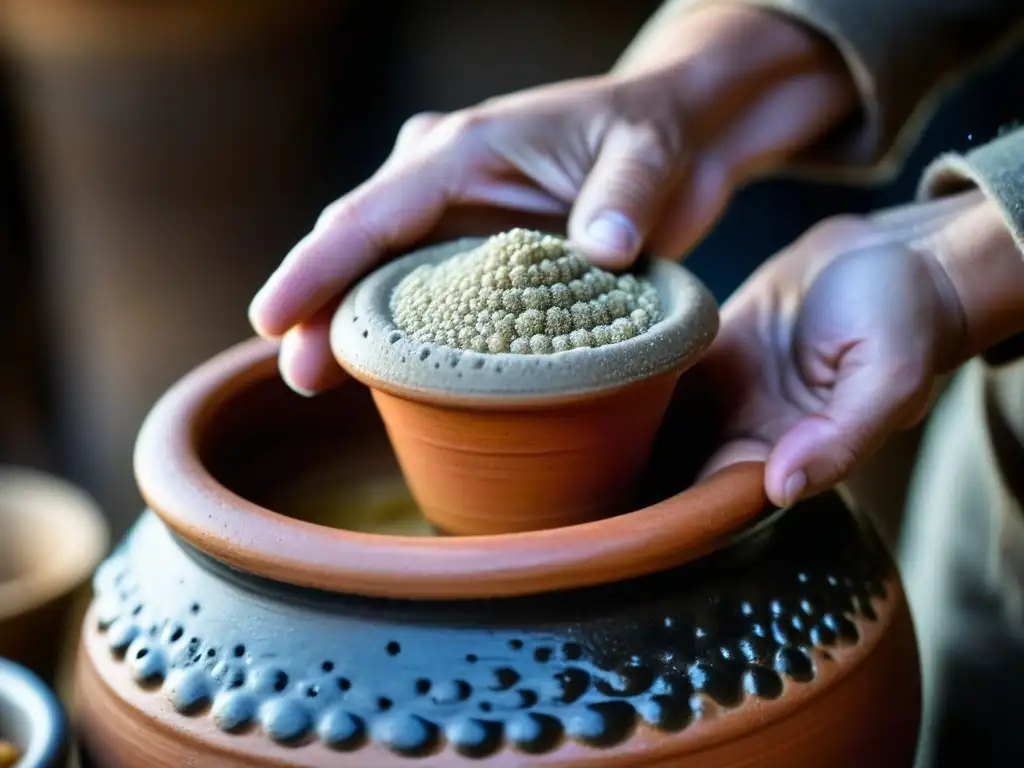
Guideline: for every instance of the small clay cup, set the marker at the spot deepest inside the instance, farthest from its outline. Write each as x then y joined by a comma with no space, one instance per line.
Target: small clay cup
505,443
52,537
31,718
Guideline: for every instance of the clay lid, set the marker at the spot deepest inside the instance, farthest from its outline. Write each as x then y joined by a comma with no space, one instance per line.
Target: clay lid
369,343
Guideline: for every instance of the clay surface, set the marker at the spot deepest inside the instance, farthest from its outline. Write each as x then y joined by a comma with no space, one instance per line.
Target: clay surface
366,340
796,647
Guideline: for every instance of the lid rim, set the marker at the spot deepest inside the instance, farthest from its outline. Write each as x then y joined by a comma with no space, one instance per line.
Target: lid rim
366,343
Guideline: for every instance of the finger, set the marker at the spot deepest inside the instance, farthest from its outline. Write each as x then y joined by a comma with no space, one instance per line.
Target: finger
620,199
761,139
692,208
871,400
734,452
414,131
482,220
305,360
392,210
395,208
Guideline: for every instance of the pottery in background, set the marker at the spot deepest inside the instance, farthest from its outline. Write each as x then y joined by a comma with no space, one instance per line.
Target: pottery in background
160,141
238,625
31,718
52,537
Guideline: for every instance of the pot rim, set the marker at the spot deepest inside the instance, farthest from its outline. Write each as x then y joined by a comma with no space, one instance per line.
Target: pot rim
22,690
368,345
73,520
708,516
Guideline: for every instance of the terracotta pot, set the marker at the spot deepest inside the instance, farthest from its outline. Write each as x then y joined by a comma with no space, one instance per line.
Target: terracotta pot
31,718
499,443
242,624
52,536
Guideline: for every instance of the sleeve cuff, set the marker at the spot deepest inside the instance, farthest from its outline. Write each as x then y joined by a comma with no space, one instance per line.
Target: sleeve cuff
996,168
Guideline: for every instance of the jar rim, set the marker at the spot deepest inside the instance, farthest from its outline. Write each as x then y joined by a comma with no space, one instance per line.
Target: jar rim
369,346
181,490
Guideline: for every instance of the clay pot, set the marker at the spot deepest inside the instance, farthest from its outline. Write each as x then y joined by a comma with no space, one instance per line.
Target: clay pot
499,443
52,536
31,718
242,622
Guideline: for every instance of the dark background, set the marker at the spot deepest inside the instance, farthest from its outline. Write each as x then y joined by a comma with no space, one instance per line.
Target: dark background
149,189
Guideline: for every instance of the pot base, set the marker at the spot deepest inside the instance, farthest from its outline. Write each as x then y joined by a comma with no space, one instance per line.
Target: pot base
802,654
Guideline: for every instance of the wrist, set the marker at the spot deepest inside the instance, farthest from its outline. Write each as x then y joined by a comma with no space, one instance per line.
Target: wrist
983,268
750,85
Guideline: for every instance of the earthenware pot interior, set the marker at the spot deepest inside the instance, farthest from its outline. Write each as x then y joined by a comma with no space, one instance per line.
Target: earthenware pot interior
327,460
30,717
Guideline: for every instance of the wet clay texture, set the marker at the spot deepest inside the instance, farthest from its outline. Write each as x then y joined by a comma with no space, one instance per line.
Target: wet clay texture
545,421
795,646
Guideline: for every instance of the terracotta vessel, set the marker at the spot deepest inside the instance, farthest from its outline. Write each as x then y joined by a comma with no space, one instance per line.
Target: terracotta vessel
498,443
52,537
31,719
252,617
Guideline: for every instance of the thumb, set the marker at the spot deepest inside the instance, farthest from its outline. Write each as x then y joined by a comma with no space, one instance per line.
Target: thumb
871,400
622,196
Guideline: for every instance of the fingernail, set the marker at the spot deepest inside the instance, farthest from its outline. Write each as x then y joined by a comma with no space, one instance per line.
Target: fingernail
256,310
795,485
295,387
611,231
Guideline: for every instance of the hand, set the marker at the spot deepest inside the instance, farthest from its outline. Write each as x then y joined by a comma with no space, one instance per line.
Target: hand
834,344
648,155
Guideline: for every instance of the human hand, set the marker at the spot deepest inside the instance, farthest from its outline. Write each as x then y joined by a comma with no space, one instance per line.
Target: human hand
834,344
645,156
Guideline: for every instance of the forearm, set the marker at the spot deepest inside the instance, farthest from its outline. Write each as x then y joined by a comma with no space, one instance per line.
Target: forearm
735,40
899,53
777,86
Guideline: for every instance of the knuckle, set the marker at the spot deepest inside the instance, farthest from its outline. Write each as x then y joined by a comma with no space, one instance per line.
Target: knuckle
466,124
658,139
418,126
845,458
330,215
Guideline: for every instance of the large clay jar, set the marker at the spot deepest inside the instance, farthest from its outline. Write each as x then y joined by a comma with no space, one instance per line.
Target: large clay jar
283,603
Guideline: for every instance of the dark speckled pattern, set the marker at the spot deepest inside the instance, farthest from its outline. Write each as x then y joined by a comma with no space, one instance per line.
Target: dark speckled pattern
483,676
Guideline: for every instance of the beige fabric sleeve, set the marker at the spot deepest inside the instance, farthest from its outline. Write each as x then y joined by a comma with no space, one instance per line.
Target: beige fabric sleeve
902,55
997,168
